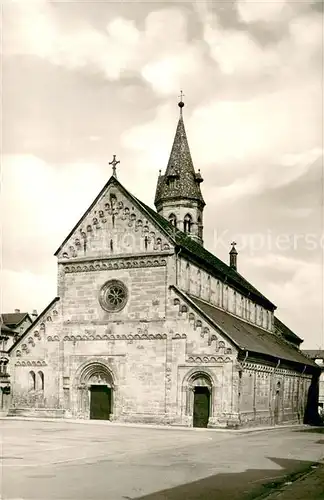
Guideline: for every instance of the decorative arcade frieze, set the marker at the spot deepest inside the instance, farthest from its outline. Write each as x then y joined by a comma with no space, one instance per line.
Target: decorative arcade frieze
109,264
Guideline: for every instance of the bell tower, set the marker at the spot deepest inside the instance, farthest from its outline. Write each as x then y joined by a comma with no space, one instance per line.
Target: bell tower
178,196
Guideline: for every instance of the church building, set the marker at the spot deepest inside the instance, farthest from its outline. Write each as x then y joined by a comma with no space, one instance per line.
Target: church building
148,326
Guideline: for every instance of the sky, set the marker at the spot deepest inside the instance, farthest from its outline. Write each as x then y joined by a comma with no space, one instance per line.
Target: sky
83,80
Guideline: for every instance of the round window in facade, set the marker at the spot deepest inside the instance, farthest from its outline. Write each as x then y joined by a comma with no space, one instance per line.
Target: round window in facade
113,296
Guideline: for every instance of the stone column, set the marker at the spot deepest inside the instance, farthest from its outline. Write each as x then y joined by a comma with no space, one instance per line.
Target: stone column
81,405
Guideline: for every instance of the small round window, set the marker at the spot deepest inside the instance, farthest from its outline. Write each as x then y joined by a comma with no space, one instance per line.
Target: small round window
113,296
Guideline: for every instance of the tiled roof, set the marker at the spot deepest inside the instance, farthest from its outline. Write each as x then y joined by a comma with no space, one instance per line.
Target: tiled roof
314,353
194,250
283,330
5,329
181,166
249,337
208,260
14,319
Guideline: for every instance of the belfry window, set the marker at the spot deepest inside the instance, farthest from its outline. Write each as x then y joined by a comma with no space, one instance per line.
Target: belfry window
173,220
199,227
187,223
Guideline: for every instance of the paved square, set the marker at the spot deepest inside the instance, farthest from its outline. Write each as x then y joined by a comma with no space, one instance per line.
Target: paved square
103,461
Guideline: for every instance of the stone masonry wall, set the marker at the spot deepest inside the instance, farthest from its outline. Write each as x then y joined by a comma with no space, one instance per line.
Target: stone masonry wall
202,284
269,396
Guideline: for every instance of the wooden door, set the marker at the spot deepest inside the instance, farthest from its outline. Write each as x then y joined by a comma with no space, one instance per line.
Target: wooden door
277,407
100,402
201,407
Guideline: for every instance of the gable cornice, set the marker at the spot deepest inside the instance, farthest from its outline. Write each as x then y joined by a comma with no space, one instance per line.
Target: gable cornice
127,194
36,322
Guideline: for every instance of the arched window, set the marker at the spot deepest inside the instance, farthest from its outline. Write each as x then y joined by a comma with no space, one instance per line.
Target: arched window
218,293
225,297
260,316
173,220
199,283
188,277
187,223
234,302
208,288
32,381
199,227
41,381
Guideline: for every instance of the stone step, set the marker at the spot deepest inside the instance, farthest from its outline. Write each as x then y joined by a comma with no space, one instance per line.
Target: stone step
37,412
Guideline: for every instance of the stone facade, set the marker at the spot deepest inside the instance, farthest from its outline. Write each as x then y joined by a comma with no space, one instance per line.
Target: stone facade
125,322
152,352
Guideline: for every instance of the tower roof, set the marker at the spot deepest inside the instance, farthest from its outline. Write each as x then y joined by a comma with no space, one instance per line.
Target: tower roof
181,169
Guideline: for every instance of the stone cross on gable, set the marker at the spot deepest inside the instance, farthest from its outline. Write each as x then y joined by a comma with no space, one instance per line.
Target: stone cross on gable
114,162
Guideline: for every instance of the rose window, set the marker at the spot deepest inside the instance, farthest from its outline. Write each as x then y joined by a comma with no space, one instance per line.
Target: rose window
113,296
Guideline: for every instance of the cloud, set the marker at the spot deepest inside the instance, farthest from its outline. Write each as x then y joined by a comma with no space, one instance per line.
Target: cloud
26,291
251,11
34,28
252,116
301,292
42,200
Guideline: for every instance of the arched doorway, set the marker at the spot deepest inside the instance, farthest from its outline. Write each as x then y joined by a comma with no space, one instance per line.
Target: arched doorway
277,404
96,391
200,398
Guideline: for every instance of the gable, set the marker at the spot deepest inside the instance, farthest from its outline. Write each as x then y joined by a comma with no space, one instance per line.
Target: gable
115,224
37,331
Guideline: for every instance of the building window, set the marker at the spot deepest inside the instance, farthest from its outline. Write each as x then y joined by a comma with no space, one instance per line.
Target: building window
187,223
199,282
113,296
260,316
218,293
32,381
238,305
188,277
41,381
225,297
208,288
173,220
199,227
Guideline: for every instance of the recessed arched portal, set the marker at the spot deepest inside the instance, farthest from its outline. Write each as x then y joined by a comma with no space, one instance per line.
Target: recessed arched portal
199,398
96,389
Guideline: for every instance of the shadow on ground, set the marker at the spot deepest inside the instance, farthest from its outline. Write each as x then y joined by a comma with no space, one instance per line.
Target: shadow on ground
246,485
319,430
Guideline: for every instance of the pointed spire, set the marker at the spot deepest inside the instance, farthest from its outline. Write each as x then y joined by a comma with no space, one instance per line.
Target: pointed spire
180,179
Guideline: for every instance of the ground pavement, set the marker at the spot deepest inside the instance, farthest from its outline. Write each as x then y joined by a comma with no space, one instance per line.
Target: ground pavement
61,460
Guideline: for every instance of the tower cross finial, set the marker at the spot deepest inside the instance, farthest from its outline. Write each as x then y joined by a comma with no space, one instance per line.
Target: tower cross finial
233,243
181,95
181,103
114,162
